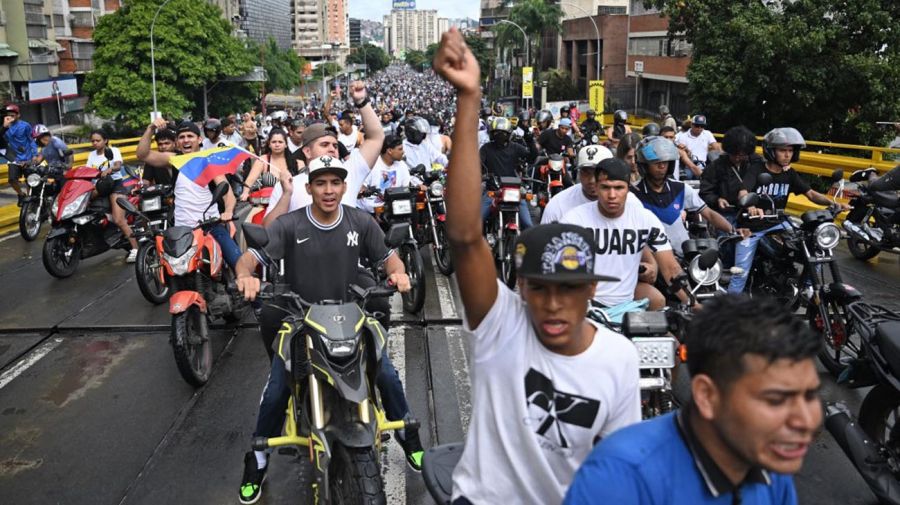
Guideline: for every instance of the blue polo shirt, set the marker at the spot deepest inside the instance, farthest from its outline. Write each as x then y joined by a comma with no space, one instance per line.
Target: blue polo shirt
660,462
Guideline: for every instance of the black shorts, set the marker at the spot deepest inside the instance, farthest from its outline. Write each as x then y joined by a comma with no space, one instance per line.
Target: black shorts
15,171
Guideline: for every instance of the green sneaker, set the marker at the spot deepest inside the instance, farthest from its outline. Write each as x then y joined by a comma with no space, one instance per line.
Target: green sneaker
251,484
412,447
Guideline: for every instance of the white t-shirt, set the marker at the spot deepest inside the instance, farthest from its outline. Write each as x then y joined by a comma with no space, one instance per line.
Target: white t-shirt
350,140
357,170
698,146
208,144
562,203
96,160
620,241
191,200
536,414
423,154
383,177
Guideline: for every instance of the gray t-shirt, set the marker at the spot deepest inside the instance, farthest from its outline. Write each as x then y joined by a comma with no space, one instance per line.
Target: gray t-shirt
321,262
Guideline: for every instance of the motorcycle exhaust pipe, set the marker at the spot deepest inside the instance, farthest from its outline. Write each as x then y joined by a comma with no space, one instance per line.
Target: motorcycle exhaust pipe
863,452
858,232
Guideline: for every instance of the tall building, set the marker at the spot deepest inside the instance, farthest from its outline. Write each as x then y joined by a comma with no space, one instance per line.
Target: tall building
443,26
410,29
265,19
355,32
320,29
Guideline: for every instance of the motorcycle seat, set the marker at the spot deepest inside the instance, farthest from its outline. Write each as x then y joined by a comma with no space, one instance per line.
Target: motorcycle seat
438,464
887,199
510,181
887,337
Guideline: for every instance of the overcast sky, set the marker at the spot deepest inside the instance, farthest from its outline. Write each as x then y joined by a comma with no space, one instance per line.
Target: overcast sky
376,9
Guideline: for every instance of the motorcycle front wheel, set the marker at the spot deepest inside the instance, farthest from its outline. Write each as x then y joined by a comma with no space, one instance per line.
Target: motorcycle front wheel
30,220
878,416
414,299
191,345
61,258
841,342
442,256
146,269
506,266
354,476
860,249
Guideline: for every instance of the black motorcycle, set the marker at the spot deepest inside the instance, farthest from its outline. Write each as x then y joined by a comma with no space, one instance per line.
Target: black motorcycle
873,224
431,227
332,351
873,444
42,183
705,283
502,228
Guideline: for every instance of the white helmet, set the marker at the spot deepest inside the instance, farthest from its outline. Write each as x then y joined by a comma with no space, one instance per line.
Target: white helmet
592,155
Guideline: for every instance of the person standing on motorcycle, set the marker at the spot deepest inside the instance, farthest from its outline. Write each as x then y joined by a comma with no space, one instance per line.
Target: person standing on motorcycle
111,184
192,200
321,246
754,412
583,192
781,147
668,199
624,234
502,158
418,152
20,146
547,383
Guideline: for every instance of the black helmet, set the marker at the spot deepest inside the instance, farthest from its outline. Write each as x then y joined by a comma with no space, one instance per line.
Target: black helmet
591,114
620,116
650,130
212,124
572,104
416,128
783,137
739,140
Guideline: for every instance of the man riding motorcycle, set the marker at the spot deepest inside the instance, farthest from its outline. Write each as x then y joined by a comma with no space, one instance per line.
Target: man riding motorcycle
583,192
590,126
419,152
501,158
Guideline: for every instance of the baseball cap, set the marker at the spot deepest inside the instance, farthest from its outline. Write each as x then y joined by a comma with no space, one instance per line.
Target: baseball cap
326,165
314,132
188,126
698,120
565,122
11,107
590,156
557,252
616,169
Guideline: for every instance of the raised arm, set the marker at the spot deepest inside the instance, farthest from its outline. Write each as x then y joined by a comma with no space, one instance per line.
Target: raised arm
370,148
143,151
474,265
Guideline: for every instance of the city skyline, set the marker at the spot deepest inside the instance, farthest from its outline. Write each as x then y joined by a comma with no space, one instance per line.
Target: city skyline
375,11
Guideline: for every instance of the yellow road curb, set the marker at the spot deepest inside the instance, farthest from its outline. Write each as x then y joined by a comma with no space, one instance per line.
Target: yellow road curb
9,219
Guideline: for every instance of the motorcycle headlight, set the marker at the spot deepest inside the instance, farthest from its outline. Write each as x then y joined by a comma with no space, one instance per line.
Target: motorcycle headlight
704,277
33,180
436,188
75,207
656,352
82,220
827,236
55,207
339,348
151,204
511,195
180,264
401,207
556,165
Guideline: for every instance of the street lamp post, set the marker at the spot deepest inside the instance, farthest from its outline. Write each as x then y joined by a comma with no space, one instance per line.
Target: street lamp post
527,45
597,30
153,57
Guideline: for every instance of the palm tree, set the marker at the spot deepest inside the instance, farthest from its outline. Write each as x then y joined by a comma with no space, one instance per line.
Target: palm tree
535,17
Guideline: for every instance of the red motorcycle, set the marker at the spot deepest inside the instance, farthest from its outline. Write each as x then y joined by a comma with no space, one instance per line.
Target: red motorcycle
82,227
502,226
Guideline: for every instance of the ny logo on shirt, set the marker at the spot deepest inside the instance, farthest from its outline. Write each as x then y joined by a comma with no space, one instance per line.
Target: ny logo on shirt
352,238
550,410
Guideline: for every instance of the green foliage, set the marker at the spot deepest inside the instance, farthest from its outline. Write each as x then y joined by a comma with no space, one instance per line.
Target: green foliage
375,57
482,54
416,59
829,68
194,47
329,68
560,85
535,17
283,66
430,51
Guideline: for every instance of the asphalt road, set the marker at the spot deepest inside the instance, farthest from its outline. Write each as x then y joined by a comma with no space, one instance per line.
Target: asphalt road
93,411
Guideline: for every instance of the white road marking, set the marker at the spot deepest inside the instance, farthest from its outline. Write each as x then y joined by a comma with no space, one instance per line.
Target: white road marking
30,359
396,307
9,237
393,461
459,364
445,294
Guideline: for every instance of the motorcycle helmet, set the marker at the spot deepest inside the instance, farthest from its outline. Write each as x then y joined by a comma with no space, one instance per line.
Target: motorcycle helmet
279,117
212,124
655,150
39,130
782,137
591,155
620,116
416,129
739,140
699,120
499,129
650,130
544,119
591,114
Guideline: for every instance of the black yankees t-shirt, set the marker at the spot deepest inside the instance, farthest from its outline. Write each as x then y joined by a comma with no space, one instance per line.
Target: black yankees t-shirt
321,262
782,185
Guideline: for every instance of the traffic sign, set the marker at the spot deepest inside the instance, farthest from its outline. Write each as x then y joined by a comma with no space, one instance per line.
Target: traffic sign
596,95
527,82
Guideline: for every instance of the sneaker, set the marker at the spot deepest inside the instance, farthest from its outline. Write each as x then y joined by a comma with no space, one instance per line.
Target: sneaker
21,199
251,484
132,256
412,447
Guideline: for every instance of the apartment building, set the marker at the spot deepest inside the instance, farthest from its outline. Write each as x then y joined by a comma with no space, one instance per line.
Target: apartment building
321,29
405,30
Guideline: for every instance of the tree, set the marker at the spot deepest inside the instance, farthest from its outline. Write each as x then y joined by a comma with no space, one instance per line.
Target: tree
283,66
329,68
371,55
416,59
193,46
829,68
560,85
535,17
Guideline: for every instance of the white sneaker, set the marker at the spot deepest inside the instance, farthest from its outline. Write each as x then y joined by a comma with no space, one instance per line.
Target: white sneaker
132,255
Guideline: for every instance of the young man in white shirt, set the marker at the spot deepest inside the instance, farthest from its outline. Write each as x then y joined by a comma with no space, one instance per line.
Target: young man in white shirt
699,142
547,383
390,171
583,192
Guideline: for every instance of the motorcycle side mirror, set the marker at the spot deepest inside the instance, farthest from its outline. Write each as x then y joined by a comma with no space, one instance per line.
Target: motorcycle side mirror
126,205
837,175
131,172
748,200
708,258
418,169
396,235
67,153
764,179
257,236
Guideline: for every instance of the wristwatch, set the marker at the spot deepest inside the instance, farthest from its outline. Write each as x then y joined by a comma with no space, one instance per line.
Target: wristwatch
360,105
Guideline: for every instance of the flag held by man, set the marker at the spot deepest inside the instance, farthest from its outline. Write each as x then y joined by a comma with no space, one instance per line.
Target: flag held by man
204,166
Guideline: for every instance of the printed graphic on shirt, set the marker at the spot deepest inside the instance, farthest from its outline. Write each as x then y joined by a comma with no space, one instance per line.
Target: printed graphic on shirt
775,189
628,241
552,413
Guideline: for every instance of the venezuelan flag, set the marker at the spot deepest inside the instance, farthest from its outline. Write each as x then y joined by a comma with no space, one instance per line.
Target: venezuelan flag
204,166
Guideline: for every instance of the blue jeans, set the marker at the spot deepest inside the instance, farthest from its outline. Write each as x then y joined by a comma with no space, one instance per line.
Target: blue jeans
273,405
230,250
524,214
743,256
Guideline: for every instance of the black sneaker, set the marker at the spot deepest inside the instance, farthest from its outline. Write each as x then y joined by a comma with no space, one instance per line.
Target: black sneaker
251,484
412,447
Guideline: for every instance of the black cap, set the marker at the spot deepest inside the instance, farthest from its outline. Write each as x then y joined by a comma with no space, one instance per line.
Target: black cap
557,252
615,169
188,126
